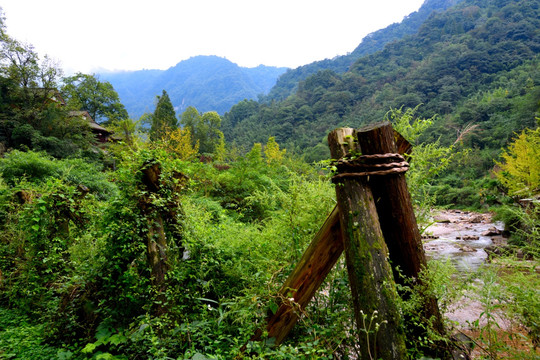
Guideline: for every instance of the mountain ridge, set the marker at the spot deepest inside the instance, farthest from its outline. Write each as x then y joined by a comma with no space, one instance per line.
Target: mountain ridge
207,82
475,64
287,83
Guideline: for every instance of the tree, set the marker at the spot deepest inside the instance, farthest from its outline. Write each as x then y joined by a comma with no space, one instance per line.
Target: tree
164,117
520,171
128,131
204,129
31,115
272,152
177,142
86,92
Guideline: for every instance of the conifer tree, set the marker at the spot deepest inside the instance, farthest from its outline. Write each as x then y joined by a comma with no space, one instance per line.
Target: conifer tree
164,117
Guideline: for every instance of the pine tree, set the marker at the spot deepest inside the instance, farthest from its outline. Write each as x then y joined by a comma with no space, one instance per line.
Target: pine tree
164,117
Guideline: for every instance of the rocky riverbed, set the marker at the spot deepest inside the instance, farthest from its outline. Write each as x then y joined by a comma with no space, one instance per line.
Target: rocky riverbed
463,237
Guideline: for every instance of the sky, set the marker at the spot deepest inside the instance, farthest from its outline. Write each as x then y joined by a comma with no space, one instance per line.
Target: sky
100,35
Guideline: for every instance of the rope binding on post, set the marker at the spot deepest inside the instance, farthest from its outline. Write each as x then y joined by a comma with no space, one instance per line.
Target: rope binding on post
370,165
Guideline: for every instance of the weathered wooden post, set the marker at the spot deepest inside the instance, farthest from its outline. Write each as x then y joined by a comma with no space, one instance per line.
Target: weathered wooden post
315,264
395,210
159,221
370,275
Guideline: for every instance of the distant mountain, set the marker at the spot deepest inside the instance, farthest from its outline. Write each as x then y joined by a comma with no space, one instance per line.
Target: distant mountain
288,82
210,83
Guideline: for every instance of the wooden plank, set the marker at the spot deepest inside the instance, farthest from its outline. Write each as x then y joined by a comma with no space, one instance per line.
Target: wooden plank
317,261
310,272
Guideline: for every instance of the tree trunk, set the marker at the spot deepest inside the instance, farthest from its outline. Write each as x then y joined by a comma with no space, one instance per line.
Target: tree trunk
370,275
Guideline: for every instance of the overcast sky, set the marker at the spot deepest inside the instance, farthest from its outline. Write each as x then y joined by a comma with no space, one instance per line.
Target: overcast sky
97,35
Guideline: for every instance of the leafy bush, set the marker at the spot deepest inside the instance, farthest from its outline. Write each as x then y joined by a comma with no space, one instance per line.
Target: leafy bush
21,338
524,227
34,166
37,167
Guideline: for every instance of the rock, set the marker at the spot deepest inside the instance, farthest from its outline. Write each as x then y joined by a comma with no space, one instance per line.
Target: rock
429,237
468,237
492,231
499,241
466,248
494,251
475,219
441,219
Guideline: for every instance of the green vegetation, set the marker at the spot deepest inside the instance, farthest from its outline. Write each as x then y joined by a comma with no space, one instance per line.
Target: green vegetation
172,242
163,118
474,66
99,98
287,84
35,115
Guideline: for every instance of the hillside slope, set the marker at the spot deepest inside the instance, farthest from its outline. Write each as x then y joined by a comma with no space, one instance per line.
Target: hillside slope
288,82
474,64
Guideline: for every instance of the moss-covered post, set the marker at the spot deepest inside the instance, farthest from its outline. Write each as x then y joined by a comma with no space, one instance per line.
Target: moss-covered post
396,215
373,289
156,240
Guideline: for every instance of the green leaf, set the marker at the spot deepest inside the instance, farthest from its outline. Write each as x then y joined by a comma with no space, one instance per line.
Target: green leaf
89,348
273,307
117,339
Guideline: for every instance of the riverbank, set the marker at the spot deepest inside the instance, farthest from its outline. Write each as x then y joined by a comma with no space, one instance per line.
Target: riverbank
485,309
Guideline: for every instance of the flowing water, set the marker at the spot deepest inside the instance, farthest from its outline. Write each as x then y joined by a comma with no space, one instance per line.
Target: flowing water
462,237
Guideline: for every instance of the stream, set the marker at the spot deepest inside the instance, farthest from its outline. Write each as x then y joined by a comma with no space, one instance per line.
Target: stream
462,237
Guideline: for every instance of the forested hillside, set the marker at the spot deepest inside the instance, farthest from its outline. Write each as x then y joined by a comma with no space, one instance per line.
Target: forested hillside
209,83
288,82
475,67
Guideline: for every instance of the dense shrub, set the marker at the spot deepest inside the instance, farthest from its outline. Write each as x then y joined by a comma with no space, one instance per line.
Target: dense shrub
37,167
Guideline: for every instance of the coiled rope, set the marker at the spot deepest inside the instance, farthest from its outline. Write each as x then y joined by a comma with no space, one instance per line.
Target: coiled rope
370,165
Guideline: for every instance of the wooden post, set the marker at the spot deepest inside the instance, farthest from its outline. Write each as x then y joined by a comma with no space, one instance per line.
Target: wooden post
370,275
317,261
315,264
396,213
